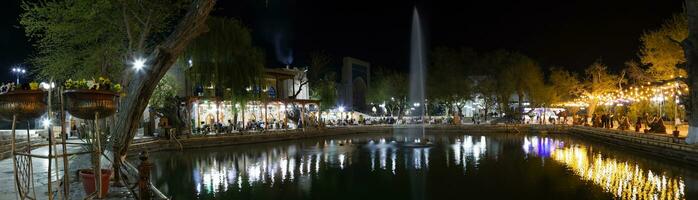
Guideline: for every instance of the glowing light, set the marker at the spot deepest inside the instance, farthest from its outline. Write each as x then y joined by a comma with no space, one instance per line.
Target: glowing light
138,64
46,123
341,108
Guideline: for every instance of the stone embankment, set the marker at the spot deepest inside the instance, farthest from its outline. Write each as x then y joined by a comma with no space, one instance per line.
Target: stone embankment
272,136
662,145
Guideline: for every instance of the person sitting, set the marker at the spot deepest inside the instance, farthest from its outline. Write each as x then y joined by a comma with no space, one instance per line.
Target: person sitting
624,123
657,126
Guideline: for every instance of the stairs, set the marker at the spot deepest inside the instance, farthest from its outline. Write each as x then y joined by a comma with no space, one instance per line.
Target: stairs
21,136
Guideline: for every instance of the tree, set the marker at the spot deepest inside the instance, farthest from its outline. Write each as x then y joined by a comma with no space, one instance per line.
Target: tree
132,28
597,83
165,88
496,84
326,91
81,38
514,73
447,78
317,72
636,74
661,49
690,47
225,57
488,89
566,84
390,88
322,80
527,76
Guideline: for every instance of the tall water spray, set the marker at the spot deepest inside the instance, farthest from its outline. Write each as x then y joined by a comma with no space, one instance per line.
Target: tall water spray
417,65
414,136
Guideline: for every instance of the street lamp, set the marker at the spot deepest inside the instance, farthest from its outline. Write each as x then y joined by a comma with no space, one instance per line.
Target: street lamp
18,71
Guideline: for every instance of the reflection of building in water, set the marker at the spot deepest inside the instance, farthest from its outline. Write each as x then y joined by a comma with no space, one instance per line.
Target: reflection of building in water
541,147
624,180
467,149
274,165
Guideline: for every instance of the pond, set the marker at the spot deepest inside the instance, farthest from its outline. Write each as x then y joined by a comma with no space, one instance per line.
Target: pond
455,166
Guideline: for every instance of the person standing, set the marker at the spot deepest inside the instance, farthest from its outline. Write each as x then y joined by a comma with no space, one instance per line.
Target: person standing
638,124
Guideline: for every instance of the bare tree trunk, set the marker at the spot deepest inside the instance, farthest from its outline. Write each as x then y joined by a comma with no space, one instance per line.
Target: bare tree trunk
690,51
142,84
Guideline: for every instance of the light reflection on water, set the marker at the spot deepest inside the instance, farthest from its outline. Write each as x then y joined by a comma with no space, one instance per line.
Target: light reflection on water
300,164
623,179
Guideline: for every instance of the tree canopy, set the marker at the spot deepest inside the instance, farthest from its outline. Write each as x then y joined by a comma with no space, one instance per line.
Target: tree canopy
225,57
661,48
84,38
447,80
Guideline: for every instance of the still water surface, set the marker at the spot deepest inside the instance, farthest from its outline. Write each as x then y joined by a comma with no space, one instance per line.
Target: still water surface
457,166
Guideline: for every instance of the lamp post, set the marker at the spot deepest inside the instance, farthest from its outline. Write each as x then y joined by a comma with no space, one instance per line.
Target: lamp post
18,71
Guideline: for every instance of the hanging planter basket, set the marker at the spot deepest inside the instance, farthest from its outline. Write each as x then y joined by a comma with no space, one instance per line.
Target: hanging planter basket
83,104
26,105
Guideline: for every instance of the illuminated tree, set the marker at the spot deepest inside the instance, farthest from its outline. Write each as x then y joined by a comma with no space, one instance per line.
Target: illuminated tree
635,73
661,48
597,83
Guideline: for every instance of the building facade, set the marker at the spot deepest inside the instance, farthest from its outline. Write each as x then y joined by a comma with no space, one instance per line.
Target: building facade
355,82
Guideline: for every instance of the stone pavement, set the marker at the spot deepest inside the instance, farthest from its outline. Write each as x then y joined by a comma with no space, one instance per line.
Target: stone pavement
40,167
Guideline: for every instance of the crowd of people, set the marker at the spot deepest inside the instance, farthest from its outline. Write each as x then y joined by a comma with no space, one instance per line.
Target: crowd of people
653,124
601,120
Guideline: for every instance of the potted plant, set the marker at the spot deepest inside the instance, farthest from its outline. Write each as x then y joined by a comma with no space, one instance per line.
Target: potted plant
24,102
93,100
88,175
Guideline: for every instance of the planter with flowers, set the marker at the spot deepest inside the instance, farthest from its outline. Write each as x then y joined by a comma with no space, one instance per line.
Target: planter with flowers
93,100
22,102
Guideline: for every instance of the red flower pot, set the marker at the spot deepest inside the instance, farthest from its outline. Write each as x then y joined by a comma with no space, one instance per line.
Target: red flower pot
88,181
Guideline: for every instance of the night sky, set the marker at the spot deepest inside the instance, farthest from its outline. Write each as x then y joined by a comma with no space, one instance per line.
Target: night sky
570,34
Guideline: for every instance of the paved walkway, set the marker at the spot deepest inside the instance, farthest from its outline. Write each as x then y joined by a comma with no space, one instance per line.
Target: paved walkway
40,167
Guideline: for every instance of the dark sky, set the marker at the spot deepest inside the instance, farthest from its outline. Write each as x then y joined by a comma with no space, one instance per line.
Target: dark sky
571,34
